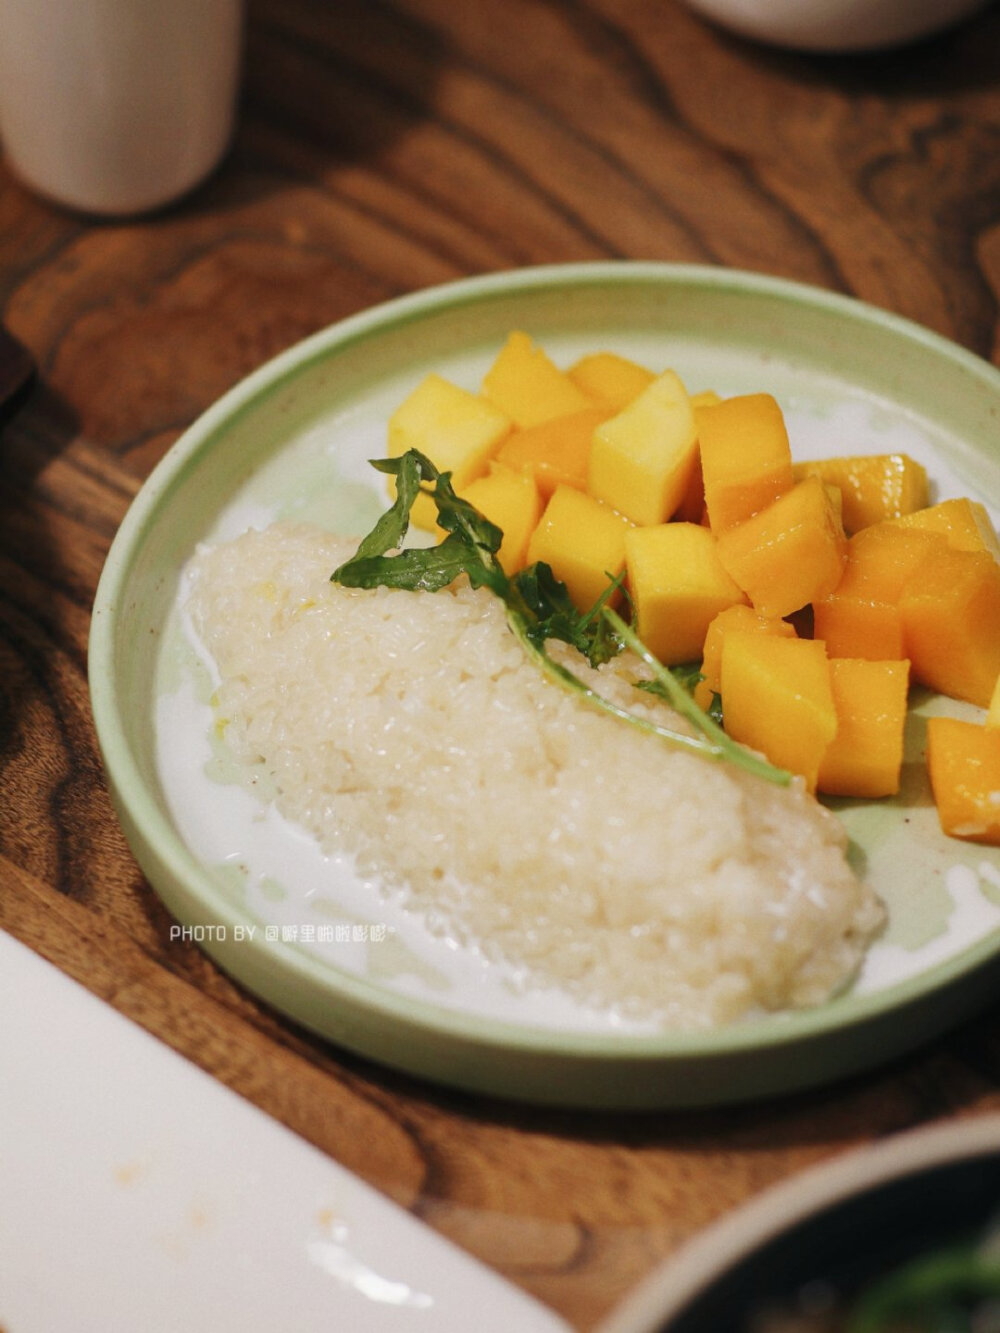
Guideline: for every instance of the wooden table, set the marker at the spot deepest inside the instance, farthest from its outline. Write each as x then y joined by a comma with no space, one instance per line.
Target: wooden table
383,148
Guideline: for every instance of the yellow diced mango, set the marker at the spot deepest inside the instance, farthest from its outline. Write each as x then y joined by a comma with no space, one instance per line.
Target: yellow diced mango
963,760
882,558
965,524
951,624
874,486
555,452
610,379
528,387
641,460
853,625
423,511
866,755
788,555
457,430
746,460
740,617
993,712
582,540
692,506
511,500
836,501
677,586
861,617
777,698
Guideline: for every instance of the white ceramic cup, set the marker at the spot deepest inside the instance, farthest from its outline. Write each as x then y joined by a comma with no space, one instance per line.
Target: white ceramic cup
117,106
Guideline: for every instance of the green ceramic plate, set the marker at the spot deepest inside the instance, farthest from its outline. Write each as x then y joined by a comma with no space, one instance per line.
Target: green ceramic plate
291,441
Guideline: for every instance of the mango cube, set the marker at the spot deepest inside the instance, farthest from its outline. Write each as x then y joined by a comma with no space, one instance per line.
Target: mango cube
457,430
677,586
866,755
510,500
951,624
993,712
746,460
582,540
882,559
641,460
963,760
528,387
874,486
836,496
965,524
777,698
610,379
788,555
692,506
852,625
555,452
861,617
739,617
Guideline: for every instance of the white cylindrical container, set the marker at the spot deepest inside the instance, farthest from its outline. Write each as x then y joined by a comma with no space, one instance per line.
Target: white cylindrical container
836,25
117,106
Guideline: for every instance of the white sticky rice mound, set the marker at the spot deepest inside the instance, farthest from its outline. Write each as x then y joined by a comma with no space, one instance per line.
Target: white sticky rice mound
410,730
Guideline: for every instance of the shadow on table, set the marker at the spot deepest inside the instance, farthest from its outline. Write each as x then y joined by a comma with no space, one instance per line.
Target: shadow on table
324,86
43,600
35,431
952,1074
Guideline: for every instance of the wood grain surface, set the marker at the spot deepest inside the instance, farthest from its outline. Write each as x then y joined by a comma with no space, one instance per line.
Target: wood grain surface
383,146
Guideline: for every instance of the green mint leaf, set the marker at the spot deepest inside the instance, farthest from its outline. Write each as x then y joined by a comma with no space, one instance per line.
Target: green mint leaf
393,525
551,614
469,548
686,674
689,674
463,519
417,570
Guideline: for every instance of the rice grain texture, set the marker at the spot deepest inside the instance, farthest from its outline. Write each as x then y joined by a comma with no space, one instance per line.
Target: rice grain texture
410,730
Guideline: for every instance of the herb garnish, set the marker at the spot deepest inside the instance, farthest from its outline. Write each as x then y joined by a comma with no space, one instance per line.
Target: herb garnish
537,604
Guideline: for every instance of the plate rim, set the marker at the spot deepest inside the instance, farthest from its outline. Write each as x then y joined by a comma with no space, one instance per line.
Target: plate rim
159,848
